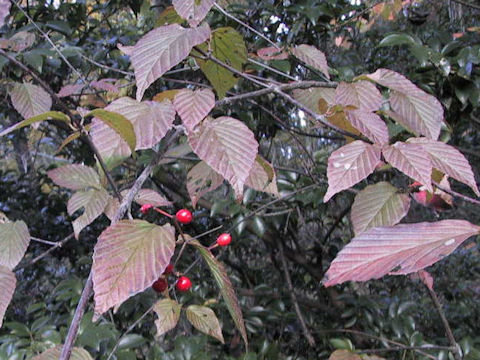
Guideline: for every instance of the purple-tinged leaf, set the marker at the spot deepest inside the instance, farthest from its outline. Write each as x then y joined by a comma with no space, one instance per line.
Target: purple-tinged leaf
426,278
262,177
378,205
316,98
160,50
204,319
151,121
414,108
149,196
194,11
272,53
14,240
311,56
369,124
226,289
349,165
362,94
54,354
397,250
344,355
228,146
106,84
168,312
194,106
69,90
49,115
448,160
93,201
20,41
128,257
30,100
412,160
4,11
7,288
202,179
75,177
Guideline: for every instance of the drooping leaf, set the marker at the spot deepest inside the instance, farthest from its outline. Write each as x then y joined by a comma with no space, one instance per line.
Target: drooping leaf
362,94
54,354
448,160
194,11
397,250
7,287
93,200
228,46
313,57
349,165
4,10
75,177
378,205
118,123
14,240
49,115
168,312
369,124
160,50
149,196
228,147
418,111
194,106
226,289
202,179
151,121
30,100
204,319
344,355
128,257
412,160
262,177
69,90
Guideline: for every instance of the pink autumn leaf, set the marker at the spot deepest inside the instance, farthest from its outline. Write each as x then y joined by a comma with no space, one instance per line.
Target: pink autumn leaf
349,165
69,90
361,94
397,250
193,106
272,53
369,124
194,11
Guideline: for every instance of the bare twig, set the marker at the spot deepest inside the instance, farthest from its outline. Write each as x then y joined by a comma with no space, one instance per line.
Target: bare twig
456,194
451,339
219,8
293,297
51,243
278,72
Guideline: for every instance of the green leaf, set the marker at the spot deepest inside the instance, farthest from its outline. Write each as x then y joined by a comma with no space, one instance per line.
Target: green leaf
54,354
168,312
397,39
204,319
131,341
118,123
49,115
7,287
75,177
168,16
228,46
226,288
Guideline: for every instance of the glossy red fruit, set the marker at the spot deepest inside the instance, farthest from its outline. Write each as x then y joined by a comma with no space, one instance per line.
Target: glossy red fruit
146,208
183,283
168,269
184,216
160,285
224,239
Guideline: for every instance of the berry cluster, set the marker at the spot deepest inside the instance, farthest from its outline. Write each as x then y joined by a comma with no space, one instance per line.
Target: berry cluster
183,216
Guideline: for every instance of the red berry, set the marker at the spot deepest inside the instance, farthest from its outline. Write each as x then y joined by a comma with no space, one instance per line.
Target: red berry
160,285
168,269
183,283
184,216
224,239
146,208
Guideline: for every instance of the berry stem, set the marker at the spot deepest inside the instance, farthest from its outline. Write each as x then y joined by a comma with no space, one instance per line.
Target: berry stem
163,212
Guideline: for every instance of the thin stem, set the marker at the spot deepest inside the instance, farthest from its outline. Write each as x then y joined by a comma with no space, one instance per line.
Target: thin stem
278,72
456,194
51,243
293,297
219,8
446,325
164,213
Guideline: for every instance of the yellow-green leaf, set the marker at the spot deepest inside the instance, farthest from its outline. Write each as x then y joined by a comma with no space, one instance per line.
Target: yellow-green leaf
119,124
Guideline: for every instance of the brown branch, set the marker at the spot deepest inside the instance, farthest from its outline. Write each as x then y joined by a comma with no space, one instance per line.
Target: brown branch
293,297
451,339
456,194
